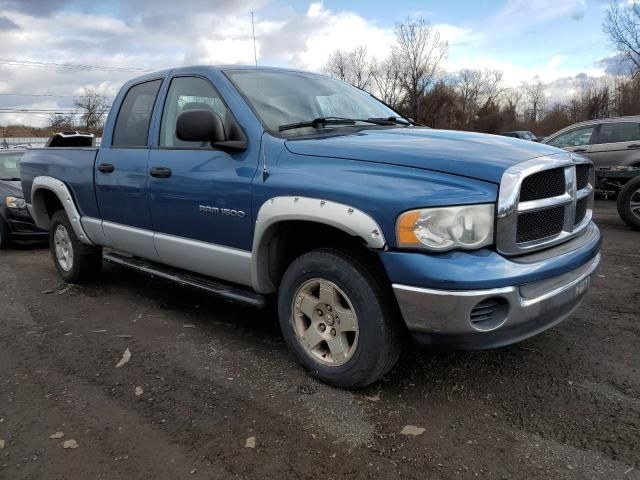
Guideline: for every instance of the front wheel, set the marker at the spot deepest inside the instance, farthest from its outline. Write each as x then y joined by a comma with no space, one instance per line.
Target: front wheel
339,318
629,203
75,261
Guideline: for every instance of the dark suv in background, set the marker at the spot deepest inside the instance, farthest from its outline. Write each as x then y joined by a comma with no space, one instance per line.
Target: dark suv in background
611,142
15,221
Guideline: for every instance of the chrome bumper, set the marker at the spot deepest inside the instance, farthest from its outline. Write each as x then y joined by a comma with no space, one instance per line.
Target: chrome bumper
491,318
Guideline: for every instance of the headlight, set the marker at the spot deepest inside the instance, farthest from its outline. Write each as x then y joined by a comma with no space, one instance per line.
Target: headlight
440,229
15,202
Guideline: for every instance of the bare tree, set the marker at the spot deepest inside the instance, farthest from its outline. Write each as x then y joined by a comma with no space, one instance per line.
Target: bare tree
513,98
93,108
622,25
419,50
337,66
387,81
535,94
60,123
354,67
477,90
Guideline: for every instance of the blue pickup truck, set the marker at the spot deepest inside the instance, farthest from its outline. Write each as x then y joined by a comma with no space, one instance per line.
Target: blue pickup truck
368,229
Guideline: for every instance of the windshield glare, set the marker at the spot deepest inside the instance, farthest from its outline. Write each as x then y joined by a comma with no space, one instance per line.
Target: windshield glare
281,98
10,165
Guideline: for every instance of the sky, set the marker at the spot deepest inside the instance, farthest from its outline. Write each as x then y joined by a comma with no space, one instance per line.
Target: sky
556,41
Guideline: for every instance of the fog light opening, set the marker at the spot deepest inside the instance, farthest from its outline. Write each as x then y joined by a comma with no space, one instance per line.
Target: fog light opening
489,314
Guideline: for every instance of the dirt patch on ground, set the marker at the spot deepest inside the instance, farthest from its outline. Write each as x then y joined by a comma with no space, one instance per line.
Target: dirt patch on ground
204,376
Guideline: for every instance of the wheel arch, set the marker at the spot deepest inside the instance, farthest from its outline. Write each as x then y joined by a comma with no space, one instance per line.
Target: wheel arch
49,195
288,226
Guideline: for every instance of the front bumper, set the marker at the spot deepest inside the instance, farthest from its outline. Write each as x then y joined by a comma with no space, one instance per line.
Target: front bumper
22,228
492,317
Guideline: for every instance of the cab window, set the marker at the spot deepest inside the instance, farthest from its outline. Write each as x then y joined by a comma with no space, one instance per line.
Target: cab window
619,132
134,117
188,93
573,138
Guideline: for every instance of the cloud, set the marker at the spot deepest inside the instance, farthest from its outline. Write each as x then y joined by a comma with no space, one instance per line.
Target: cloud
520,15
155,34
7,24
615,65
36,8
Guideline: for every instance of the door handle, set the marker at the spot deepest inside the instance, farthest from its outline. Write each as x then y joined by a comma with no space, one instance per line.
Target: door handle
160,172
580,150
634,145
106,168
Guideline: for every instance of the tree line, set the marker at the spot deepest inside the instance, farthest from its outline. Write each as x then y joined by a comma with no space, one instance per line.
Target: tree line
412,81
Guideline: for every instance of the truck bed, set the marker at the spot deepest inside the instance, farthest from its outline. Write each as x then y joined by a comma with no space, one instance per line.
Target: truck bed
75,166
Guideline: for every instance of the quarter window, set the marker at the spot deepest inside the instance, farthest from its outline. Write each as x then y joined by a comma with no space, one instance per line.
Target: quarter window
134,118
573,138
619,132
188,93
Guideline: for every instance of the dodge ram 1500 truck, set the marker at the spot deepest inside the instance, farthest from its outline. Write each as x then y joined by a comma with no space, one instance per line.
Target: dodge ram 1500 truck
255,183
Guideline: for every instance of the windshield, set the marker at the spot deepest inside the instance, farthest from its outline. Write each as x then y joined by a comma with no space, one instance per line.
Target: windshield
283,98
10,166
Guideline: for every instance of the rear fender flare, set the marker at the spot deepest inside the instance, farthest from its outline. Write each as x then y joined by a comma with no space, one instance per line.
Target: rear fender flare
39,210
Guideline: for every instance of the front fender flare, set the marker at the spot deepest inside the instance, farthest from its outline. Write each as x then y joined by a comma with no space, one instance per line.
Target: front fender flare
280,209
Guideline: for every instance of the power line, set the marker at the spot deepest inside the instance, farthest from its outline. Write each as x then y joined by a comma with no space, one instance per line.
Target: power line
49,95
70,66
51,111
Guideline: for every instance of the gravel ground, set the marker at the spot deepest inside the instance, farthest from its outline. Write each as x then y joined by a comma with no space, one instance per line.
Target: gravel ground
207,379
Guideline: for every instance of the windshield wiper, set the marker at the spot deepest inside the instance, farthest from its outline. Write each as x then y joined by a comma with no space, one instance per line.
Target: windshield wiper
12,179
322,121
389,121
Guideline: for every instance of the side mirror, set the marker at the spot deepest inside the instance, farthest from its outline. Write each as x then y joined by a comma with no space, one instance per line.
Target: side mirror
200,126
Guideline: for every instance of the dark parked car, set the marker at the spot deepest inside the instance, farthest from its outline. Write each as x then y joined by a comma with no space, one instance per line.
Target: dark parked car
522,135
15,221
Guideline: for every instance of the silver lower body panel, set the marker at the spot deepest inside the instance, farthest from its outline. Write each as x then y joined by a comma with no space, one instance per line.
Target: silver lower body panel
445,316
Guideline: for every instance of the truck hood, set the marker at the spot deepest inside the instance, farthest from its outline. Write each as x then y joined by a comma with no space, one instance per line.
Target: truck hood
476,155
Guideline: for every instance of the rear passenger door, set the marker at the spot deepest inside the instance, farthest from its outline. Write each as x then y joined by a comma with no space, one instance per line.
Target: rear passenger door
200,207
617,143
121,174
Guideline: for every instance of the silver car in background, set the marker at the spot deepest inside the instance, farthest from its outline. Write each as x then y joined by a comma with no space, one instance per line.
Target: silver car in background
611,142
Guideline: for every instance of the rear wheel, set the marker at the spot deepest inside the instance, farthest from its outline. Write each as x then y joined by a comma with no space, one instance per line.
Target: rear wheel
339,318
4,234
629,203
75,261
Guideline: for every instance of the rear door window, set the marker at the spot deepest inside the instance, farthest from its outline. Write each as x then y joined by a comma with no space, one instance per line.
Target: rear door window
619,132
134,117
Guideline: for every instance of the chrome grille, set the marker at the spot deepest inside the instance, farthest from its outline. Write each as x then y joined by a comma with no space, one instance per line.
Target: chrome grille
549,183
581,210
583,173
542,202
541,224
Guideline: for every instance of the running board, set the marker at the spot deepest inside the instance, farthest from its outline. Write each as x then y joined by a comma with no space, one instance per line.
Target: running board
229,292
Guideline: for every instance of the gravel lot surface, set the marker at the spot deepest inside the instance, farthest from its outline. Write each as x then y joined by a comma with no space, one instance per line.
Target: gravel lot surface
207,381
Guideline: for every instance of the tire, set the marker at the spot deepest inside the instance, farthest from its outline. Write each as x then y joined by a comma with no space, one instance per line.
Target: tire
629,203
4,234
76,262
367,340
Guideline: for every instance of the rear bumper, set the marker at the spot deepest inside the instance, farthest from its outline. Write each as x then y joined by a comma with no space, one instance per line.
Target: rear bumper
526,296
